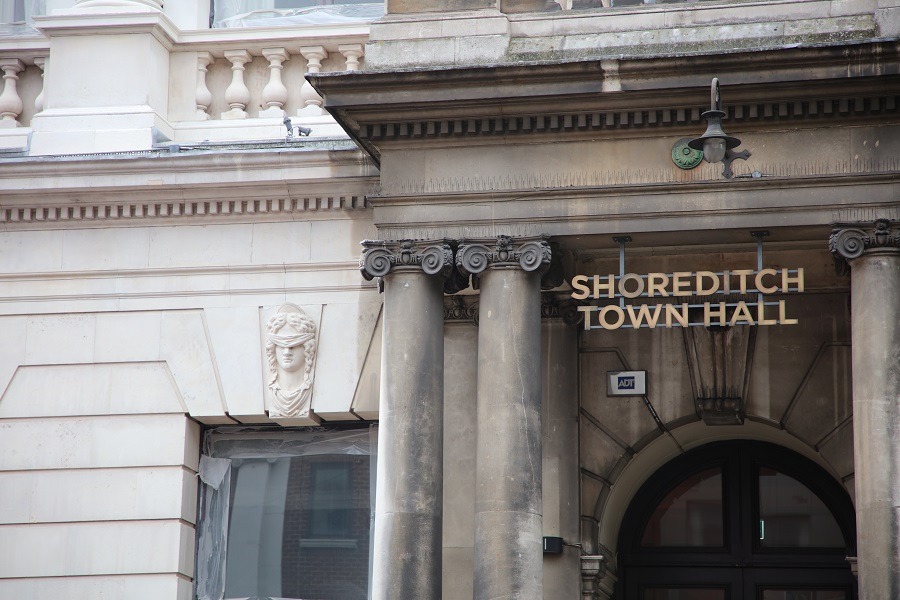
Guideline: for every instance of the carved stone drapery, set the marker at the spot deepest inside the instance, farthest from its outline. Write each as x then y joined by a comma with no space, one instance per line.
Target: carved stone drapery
849,240
433,257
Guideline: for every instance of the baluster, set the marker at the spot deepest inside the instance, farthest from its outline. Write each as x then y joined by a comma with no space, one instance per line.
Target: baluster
312,102
237,95
203,97
10,103
352,53
275,94
41,63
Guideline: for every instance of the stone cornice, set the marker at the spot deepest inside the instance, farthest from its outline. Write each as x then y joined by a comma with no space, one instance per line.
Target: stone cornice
140,20
202,186
601,97
134,212
849,241
379,258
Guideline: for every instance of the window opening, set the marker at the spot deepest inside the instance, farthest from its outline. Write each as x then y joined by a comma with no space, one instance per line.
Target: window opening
277,13
286,514
793,516
690,515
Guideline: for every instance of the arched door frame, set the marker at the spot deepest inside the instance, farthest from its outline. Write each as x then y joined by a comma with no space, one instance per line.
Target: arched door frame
664,449
741,559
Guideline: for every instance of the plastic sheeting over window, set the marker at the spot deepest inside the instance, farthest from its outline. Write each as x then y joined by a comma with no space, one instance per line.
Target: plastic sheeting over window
286,514
296,13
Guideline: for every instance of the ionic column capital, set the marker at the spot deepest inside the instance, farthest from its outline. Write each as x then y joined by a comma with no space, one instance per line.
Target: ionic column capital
531,254
849,241
432,257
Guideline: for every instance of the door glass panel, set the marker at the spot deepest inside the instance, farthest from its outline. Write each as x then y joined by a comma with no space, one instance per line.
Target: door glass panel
792,516
686,594
689,515
804,595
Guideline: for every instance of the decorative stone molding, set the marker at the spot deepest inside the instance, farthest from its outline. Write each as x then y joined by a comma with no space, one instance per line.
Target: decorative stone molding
167,210
644,118
433,257
291,360
461,308
515,183
593,570
531,254
557,306
720,361
849,241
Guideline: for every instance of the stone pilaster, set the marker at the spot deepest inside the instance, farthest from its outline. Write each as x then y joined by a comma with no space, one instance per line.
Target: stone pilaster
508,509
408,498
872,254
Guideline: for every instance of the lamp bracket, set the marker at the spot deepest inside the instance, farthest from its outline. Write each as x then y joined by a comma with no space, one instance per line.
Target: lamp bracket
730,157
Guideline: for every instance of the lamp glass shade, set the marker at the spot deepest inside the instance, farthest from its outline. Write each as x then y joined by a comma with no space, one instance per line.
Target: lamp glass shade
714,149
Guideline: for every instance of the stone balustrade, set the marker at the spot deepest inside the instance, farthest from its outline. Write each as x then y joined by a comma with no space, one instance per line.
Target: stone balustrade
223,84
21,96
246,92
264,83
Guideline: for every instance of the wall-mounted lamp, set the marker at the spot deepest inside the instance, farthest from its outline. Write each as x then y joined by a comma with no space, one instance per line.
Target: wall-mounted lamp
717,146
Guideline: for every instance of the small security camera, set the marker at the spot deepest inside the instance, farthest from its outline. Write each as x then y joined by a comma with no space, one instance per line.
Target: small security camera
301,130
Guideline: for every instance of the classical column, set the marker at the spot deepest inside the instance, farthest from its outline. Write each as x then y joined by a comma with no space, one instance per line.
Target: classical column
872,253
408,499
508,524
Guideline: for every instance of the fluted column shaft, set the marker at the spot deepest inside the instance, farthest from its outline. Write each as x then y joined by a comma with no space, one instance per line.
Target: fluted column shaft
409,495
874,258
508,515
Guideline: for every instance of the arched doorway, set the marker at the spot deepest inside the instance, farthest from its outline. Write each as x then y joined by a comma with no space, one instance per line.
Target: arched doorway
738,520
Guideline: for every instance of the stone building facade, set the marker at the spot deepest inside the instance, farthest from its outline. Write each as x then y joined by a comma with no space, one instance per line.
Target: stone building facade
434,300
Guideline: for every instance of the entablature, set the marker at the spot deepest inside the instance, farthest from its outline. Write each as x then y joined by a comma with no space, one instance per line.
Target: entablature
160,187
798,87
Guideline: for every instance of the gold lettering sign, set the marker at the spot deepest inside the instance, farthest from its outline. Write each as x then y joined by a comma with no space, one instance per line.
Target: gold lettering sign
686,284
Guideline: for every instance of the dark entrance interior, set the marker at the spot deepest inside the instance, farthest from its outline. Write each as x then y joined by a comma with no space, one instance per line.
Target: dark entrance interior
738,521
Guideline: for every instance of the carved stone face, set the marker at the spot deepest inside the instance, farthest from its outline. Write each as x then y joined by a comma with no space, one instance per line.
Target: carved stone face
290,359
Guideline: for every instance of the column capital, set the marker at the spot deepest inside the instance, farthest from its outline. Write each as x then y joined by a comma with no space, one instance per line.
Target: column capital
531,254
849,241
433,257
